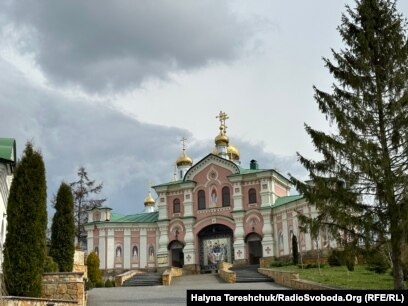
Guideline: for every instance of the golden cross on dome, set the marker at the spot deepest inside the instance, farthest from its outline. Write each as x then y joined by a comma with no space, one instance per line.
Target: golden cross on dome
183,140
222,117
175,173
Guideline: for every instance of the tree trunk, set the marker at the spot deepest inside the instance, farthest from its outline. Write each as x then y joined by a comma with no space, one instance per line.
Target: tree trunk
396,243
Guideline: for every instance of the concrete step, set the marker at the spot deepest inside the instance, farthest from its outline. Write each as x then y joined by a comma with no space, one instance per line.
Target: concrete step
250,274
145,279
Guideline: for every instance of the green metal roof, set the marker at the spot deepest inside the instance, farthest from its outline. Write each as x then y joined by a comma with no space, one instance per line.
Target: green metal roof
286,200
140,218
169,183
8,149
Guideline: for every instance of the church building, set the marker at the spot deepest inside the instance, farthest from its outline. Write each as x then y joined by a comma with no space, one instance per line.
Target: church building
214,210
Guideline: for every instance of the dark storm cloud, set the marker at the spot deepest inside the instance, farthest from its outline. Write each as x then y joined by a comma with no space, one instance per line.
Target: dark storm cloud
115,149
101,44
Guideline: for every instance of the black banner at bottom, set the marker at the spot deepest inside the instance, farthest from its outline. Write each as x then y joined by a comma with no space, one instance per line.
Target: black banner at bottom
286,297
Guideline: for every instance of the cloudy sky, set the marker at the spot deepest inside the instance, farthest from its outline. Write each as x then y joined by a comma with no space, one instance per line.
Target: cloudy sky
114,85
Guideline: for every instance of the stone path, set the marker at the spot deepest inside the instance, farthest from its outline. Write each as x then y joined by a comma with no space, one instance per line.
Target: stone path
166,295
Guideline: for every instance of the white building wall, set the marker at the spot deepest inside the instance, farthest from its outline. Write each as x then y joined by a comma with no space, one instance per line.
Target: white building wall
5,184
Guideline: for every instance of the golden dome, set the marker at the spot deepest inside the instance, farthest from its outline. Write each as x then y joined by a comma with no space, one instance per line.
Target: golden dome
214,151
184,160
233,152
221,139
149,201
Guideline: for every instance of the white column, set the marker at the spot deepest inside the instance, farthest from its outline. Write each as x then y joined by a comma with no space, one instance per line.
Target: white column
189,251
237,196
89,235
285,234
188,204
126,248
143,248
102,248
162,206
273,191
162,252
110,254
239,242
267,193
267,241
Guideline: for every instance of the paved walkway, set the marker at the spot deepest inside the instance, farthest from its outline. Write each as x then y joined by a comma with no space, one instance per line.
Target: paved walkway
176,294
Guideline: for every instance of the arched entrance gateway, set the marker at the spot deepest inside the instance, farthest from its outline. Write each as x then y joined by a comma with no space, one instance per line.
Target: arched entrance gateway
254,247
176,253
215,246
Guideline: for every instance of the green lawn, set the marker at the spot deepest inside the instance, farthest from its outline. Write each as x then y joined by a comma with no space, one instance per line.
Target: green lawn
339,277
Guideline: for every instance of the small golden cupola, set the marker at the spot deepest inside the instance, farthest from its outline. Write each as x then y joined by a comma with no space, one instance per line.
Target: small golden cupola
233,154
149,202
222,140
184,162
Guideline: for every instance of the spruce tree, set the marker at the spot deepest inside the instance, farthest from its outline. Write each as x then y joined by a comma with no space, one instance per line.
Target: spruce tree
63,229
82,189
360,185
24,249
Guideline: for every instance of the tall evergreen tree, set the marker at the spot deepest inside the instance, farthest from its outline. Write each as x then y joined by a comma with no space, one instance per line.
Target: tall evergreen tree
24,249
361,186
82,189
63,229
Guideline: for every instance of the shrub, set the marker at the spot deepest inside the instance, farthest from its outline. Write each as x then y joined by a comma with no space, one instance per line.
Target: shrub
50,265
99,284
108,283
335,258
377,262
88,284
350,263
94,274
313,266
277,264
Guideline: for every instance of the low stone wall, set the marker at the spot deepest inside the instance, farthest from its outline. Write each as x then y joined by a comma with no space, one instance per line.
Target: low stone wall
172,272
281,277
265,262
121,278
82,269
303,284
291,280
27,301
225,273
68,286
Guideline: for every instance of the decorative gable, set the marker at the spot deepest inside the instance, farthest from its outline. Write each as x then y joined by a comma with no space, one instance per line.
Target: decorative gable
210,160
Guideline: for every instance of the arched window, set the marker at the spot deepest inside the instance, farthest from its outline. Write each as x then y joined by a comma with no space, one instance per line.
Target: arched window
252,195
201,199
176,205
280,242
96,250
118,251
135,251
151,253
226,200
